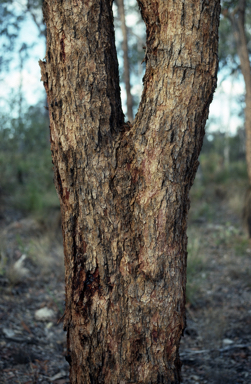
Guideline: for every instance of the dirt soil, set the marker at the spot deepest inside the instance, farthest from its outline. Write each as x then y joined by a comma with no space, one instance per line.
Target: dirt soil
216,347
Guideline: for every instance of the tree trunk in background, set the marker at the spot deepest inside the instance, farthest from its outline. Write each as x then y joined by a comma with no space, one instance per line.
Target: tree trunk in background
129,101
124,189
237,19
238,22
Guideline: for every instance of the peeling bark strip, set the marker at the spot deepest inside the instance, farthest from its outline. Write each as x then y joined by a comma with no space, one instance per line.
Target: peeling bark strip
124,189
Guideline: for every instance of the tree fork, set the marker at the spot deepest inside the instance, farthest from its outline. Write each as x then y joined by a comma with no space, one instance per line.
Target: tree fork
123,189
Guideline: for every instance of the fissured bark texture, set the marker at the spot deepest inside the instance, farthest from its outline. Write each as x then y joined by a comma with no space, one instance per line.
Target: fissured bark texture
124,189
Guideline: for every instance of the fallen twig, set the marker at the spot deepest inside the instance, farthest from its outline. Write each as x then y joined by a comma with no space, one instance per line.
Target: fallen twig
225,349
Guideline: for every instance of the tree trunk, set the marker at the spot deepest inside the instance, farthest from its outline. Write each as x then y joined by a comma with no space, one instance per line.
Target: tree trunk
124,189
238,23
237,19
129,102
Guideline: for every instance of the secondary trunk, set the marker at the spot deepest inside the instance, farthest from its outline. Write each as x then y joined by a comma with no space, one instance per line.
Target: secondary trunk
129,102
123,189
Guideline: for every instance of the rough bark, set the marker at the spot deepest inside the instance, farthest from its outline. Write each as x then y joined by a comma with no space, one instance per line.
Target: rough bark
129,101
124,189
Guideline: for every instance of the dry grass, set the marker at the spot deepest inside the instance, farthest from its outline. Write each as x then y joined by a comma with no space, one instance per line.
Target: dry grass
214,327
196,267
45,254
42,247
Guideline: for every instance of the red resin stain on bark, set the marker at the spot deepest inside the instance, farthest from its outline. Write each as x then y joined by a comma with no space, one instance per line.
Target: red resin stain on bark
79,283
59,183
135,175
91,284
155,336
84,247
67,194
169,348
62,48
85,287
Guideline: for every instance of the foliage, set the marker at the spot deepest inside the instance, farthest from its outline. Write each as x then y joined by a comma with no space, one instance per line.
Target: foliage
213,163
25,160
9,29
227,47
13,16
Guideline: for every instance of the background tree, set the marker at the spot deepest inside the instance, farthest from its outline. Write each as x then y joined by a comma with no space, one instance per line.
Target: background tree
135,41
235,12
24,158
129,100
9,29
124,189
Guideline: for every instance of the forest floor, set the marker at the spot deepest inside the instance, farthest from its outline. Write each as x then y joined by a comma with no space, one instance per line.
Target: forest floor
216,347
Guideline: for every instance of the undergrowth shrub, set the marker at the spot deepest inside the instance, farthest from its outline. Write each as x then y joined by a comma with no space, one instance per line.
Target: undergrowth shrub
25,162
